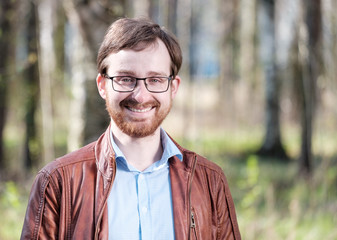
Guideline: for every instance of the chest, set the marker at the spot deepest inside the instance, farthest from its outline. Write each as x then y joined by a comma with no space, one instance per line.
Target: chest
140,205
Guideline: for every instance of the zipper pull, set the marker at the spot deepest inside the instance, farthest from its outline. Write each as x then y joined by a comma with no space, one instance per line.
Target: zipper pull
192,220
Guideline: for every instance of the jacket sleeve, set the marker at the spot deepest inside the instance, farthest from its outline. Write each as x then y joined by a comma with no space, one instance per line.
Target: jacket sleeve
226,212
43,211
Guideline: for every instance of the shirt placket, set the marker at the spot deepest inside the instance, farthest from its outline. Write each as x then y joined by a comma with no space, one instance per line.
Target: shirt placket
144,207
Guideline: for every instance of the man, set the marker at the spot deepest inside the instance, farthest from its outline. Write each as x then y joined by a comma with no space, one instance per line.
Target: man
134,182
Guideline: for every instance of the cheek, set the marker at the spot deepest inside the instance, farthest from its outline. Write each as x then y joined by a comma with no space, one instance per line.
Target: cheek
166,101
114,98
112,104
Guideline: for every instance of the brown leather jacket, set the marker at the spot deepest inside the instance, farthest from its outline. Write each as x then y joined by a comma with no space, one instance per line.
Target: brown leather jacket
69,197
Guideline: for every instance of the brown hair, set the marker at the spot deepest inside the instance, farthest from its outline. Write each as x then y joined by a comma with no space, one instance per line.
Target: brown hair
137,34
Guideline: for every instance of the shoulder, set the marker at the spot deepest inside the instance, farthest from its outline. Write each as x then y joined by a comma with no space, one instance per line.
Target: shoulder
80,156
54,172
211,172
202,163
208,165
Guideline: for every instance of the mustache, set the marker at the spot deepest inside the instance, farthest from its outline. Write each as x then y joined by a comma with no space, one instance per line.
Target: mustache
131,102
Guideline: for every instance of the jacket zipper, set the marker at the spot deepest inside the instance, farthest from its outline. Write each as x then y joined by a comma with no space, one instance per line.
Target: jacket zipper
193,224
191,213
192,220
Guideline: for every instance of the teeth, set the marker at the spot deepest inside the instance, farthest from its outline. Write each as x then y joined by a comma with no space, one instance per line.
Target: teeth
140,110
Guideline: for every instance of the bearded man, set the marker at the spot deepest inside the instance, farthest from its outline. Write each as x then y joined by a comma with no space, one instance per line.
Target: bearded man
134,182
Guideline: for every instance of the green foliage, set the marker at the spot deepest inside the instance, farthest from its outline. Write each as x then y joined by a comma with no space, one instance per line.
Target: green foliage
13,203
272,201
250,184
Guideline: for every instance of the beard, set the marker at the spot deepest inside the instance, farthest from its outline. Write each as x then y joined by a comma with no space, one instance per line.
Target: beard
136,127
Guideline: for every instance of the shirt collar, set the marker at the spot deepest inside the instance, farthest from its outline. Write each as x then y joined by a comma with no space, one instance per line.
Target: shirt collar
169,150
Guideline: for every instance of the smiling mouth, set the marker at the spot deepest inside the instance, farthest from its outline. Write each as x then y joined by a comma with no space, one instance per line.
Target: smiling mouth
140,110
134,106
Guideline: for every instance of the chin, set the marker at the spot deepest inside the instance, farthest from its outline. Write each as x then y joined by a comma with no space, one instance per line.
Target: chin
139,130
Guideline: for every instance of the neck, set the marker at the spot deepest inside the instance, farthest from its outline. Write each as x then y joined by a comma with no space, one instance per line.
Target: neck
139,152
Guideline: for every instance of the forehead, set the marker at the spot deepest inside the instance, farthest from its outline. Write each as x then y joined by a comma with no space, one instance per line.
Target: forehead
153,58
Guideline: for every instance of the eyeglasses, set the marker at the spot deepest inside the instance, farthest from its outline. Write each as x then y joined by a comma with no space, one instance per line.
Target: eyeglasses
128,84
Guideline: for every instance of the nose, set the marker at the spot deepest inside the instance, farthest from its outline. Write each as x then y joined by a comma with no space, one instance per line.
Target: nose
141,94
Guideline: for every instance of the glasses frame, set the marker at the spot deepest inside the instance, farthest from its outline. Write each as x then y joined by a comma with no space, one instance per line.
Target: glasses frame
169,78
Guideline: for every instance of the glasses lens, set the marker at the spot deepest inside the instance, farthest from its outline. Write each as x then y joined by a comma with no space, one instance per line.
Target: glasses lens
128,84
124,84
157,84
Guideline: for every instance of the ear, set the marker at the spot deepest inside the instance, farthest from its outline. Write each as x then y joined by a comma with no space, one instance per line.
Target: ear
101,86
175,86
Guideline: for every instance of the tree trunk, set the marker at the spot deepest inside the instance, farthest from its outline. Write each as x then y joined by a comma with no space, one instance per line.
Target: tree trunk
184,33
312,65
78,76
227,33
247,42
31,76
46,67
329,42
272,146
93,19
172,16
6,46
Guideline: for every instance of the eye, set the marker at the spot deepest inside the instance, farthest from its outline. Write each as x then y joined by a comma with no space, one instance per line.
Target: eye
125,79
156,80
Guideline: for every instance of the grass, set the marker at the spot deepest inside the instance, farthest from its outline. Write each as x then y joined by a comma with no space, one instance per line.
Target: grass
272,200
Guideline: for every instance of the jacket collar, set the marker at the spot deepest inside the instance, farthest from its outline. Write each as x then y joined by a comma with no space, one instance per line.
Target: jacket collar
188,158
105,155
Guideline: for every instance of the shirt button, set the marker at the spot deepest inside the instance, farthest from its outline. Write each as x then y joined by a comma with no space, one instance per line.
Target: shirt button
144,209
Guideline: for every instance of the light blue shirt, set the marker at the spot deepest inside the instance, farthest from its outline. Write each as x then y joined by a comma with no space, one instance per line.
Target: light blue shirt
140,203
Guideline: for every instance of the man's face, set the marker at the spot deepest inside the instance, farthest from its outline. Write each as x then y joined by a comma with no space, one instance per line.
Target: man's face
138,113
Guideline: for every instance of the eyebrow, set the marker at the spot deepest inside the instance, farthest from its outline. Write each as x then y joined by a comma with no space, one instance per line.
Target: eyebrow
125,72
156,74
132,73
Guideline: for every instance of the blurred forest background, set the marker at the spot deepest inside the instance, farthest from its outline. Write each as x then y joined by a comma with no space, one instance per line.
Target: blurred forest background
258,97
